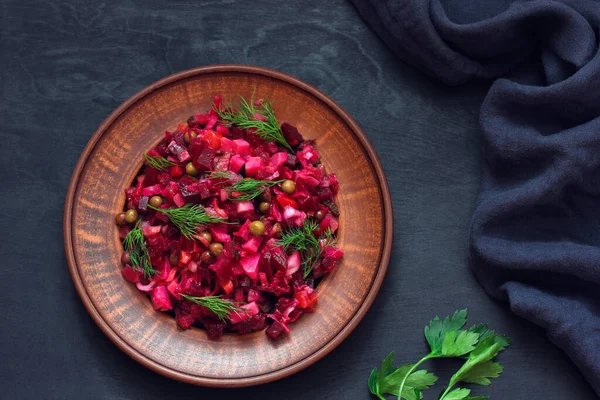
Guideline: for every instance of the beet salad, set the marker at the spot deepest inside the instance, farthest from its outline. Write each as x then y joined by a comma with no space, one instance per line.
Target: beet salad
231,222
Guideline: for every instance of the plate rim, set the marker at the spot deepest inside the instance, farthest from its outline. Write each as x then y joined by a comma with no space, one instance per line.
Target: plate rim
269,376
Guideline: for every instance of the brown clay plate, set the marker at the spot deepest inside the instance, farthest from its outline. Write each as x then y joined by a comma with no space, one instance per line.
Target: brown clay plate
111,160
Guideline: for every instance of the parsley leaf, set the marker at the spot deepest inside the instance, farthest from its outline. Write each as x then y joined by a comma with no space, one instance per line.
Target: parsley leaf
437,329
479,366
457,343
458,394
463,394
388,380
481,373
417,380
446,338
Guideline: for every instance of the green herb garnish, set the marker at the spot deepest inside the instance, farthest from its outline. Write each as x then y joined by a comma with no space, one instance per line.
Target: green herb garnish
188,218
138,253
245,118
311,248
159,163
447,339
221,308
245,189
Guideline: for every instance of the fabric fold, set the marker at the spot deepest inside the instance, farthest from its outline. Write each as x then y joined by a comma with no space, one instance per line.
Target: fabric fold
535,235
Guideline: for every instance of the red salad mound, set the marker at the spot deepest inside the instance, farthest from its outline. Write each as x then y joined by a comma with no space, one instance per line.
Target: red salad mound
231,222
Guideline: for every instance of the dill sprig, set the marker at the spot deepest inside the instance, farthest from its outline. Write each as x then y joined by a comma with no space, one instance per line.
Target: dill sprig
188,218
160,163
245,118
245,189
138,253
221,308
311,248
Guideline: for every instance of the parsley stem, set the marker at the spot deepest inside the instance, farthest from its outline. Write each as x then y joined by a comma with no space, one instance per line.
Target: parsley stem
411,370
445,392
450,386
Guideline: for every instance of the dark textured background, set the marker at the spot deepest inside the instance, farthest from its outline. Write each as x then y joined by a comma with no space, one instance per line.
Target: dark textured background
64,66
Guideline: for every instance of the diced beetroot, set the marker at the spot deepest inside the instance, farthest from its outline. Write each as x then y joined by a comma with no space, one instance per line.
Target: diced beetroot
293,263
214,329
198,119
271,147
223,195
308,156
227,145
152,190
244,231
328,222
307,180
188,195
334,182
212,120
253,295
185,321
241,147
278,159
237,133
131,275
218,102
222,130
222,163
252,244
155,153
203,187
253,165
219,233
151,230
292,160
250,265
275,212
236,163
160,299
275,330
196,145
285,172
244,207
291,134
246,311
178,200
174,289
203,159
239,297
293,217
170,191
333,253
222,268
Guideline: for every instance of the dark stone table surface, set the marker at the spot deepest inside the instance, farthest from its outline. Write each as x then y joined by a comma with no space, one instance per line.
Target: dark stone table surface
65,65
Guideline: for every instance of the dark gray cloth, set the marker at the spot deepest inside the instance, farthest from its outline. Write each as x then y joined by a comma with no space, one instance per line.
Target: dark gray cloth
536,230
65,65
